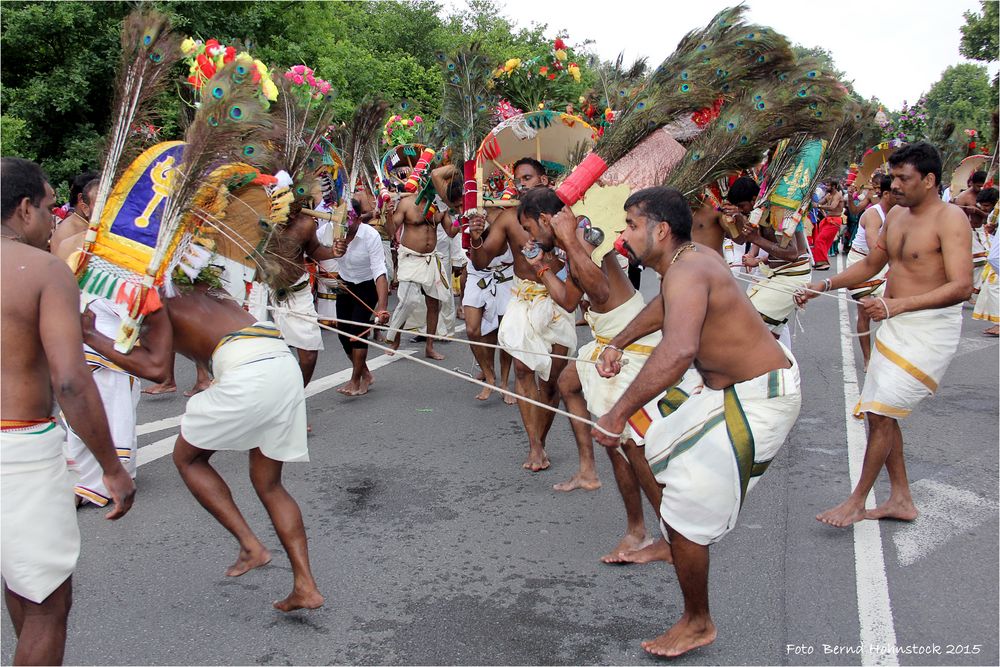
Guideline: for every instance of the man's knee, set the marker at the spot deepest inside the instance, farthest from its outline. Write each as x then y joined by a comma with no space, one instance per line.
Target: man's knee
308,357
521,371
881,423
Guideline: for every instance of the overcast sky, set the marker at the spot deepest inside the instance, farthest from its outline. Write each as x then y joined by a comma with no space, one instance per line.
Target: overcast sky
894,49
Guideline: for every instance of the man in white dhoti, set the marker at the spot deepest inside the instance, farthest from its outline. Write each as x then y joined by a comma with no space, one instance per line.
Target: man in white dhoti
614,303
534,325
709,445
987,300
42,362
256,404
928,249
421,269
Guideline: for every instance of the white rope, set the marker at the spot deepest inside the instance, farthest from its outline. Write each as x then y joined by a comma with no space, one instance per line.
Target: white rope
461,376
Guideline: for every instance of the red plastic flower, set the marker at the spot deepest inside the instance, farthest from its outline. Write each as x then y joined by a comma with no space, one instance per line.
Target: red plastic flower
543,70
229,56
552,76
560,44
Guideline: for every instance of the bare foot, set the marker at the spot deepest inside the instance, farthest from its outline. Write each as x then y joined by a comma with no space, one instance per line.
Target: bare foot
508,399
393,345
894,509
484,394
247,561
300,600
628,544
843,515
162,388
657,551
684,636
348,389
197,389
536,462
431,354
363,385
993,331
578,481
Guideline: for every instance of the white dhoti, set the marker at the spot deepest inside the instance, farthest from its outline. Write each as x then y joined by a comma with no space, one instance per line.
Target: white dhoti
980,251
711,449
419,275
39,536
533,324
327,284
910,356
256,400
120,395
491,290
602,393
300,330
390,270
874,287
258,297
773,296
988,303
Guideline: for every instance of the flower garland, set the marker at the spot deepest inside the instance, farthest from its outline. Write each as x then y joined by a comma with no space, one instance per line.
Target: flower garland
547,81
399,130
204,59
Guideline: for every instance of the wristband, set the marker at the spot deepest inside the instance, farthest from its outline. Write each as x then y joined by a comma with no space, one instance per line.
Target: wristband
540,272
827,284
609,346
476,247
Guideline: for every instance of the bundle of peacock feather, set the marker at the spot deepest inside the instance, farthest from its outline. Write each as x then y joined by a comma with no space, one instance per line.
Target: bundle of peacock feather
149,51
354,141
708,64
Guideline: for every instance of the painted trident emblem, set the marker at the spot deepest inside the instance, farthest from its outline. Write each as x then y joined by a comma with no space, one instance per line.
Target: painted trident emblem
162,176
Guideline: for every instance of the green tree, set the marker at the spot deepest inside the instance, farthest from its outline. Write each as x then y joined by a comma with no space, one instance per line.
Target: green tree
963,95
979,34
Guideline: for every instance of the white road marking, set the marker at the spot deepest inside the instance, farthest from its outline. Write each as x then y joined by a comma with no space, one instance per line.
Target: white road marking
945,511
164,446
878,634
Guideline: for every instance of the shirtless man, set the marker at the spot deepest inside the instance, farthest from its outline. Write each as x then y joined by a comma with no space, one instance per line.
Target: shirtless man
81,196
749,380
613,304
42,361
506,232
980,243
927,246
832,206
256,404
420,269
706,226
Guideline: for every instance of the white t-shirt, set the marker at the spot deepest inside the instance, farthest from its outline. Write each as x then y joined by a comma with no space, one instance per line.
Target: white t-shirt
365,257
860,242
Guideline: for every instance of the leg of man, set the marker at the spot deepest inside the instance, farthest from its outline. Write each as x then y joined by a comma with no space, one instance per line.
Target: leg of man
408,294
658,549
433,308
40,628
484,355
265,474
167,386
882,434
307,364
549,394
209,489
572,394
695,627
900,503
202,380
525,383
864,336
635,526
505,363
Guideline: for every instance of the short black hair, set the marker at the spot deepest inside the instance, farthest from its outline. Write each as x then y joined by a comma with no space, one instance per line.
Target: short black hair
535,164
662,204
743,189
835,184
539,200
924,157
20,178
455,188
79,186
988,196
884,184
978,178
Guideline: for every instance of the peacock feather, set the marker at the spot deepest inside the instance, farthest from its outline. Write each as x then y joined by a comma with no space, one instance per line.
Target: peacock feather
468,101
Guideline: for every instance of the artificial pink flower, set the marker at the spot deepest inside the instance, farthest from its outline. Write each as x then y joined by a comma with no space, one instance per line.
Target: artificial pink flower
299,69
418,119
298,79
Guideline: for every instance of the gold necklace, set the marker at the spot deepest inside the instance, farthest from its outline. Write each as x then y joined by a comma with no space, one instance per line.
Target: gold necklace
687,246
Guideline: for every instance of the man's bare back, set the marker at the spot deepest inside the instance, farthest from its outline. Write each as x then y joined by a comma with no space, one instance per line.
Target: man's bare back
505,231
200,320
68,233
35,286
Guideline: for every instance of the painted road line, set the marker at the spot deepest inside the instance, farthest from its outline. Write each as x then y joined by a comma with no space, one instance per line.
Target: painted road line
878,633
161,448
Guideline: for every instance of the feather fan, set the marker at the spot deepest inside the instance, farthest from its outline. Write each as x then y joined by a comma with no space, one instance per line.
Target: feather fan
149,51
467,103
355,139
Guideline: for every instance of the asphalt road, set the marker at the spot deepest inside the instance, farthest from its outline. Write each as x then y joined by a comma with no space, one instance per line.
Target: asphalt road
434,546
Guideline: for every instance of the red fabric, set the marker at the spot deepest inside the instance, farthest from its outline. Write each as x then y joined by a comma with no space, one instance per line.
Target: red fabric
823,237
585,175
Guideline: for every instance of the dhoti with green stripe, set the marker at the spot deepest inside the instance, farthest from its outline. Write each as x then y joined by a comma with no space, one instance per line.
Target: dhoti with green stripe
709,449
773,296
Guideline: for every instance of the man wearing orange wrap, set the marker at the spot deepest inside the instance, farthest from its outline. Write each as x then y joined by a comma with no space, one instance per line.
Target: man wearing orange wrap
832,206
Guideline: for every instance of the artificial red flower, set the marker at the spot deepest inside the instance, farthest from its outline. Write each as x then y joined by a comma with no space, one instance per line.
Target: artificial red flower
560,44
552,76
230,55
543,70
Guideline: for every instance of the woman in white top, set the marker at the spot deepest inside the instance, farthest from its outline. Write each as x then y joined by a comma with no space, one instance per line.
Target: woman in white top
365,293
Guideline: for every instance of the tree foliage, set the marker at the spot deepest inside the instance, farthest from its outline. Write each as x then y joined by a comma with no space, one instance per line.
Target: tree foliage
980,33
55,99
963,94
